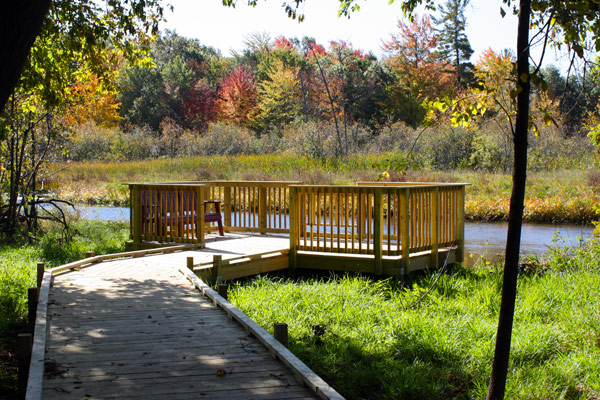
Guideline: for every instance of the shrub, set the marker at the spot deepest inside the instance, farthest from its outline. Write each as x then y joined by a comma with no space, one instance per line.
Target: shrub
135,144
224,139
90,142
449,148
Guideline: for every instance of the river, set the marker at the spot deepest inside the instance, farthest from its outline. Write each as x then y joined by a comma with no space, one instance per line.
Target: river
481,238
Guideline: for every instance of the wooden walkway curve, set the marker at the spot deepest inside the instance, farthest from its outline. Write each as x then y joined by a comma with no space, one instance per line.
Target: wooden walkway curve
148,328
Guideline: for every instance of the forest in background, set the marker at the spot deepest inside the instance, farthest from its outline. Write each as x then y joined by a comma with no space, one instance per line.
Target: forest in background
298,96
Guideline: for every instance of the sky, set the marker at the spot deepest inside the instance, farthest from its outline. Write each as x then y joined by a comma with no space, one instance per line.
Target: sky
224,28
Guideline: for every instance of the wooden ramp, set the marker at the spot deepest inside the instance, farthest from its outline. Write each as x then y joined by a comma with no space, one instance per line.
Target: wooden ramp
148,328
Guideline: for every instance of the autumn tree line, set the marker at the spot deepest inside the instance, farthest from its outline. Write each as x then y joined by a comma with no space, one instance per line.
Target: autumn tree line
322,100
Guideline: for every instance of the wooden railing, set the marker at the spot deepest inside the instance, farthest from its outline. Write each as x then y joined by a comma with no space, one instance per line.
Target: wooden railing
250,206
393,220
375,219
167,212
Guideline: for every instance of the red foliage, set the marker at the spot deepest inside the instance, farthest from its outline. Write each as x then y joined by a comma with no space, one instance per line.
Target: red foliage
281,42
414,57
238,97
200,105
316,50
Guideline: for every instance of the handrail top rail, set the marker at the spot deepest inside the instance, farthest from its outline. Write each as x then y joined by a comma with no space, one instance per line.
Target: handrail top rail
375,186
420,184
213,183
192,184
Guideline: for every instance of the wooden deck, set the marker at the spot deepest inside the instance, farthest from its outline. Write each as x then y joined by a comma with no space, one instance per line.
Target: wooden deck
148,328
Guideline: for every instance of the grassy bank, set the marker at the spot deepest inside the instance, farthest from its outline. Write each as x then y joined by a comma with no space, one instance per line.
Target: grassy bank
377,340
552,196
18,272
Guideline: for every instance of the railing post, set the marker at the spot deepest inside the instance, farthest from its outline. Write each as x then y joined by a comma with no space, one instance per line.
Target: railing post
405,228
32,302
378,230
294,227
435,224
216,267
227,205
136,215
262,210
200,214
460,225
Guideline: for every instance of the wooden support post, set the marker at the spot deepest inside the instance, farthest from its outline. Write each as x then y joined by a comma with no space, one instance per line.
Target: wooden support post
24,343
280,331
435,225
41,267
460,226
135,204
378,230
190,263
227,206
216,266
89,254
32,301
405,228
294,228
262,210
222,290
200,214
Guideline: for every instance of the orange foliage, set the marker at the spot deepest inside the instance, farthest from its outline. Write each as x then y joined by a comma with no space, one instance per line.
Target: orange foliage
91,102
238,100
413,57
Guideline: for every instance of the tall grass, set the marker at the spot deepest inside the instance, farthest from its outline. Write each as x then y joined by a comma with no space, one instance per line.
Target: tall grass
381,340
557,196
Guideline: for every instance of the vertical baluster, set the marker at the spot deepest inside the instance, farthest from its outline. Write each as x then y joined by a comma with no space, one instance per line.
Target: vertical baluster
346,207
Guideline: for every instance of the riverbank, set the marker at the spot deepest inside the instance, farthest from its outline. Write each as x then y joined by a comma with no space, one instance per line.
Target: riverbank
562,196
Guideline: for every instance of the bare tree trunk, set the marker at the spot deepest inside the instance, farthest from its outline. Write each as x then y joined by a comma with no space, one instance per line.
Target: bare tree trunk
499,373
20,24
332,105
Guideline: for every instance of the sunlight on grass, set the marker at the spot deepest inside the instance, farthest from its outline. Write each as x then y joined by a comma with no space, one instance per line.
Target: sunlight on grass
366,338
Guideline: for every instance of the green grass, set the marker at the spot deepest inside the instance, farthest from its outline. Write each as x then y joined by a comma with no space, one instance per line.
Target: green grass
18,264
18,272
380,341
556,196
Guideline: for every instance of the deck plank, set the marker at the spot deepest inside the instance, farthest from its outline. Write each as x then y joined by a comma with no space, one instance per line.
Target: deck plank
136,328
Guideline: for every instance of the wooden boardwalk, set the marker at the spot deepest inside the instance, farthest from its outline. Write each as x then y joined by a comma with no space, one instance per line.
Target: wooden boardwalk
140,328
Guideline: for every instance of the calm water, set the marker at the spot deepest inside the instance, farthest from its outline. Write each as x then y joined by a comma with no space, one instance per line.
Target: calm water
481,238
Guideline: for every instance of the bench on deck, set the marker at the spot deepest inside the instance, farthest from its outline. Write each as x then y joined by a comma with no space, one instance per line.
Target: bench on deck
173,214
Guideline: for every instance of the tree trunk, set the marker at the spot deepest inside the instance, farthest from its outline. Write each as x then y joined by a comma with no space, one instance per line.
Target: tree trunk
513,240
20,24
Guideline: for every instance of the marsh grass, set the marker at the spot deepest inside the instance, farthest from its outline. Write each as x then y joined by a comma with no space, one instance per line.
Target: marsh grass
551,196
374,339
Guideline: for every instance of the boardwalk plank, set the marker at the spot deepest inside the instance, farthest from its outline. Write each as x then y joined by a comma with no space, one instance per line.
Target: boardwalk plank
139,329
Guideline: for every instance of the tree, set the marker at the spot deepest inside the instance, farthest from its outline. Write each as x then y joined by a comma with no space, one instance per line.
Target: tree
421,73
238,98
279,102
143,98
200,105
77,37
453,42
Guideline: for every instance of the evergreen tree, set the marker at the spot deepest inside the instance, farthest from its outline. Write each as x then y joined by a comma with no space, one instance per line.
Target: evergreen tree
453,42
